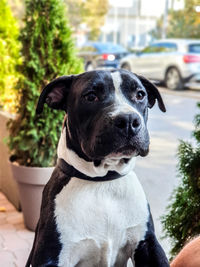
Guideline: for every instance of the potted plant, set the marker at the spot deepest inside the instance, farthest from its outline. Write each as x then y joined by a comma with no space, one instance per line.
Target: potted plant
48,51
181,221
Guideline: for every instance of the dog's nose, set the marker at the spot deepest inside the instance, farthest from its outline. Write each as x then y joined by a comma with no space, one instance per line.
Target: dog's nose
128,122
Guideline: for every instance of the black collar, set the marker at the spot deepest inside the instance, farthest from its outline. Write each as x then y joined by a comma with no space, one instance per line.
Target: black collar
70,170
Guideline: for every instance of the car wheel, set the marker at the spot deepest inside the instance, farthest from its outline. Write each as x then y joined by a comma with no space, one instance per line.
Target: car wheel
126,66
89,67
173,80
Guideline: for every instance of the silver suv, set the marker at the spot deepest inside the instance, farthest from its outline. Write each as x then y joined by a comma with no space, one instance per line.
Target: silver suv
176,62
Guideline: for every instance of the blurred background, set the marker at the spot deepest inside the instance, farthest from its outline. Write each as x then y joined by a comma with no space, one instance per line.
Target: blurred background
43,39
132,34
131,23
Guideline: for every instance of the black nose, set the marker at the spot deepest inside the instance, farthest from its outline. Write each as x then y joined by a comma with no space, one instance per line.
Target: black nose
128,122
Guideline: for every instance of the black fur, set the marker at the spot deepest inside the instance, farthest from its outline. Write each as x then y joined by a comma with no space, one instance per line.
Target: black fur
149,253
47,247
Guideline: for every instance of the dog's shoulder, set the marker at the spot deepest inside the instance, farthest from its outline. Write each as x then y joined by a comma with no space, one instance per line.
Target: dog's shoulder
58,180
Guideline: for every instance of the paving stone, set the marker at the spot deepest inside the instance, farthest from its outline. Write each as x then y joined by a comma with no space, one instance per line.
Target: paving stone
2,210
19,226
6,228
3,220
13,242
8,207
2,197
21,257
2,215
30,242
7,259
14,217
1,242
26,234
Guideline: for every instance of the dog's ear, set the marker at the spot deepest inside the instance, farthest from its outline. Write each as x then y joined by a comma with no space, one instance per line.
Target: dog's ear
55,94
153,94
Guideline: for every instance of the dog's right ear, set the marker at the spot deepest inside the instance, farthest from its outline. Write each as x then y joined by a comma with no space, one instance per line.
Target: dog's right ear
153,93
55,94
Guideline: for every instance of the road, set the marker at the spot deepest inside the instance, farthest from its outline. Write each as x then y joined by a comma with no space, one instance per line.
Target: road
157,172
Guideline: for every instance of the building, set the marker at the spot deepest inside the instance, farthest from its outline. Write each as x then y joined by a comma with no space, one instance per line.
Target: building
129,22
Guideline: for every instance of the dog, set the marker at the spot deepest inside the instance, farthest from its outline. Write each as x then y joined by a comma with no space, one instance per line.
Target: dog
94,211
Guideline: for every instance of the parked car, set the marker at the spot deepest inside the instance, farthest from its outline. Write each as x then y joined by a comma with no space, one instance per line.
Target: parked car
99,55
176,62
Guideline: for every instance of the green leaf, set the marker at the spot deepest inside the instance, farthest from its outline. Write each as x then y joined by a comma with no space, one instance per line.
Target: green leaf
48,51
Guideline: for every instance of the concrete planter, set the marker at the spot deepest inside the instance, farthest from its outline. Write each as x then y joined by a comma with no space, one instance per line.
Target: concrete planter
7,184
31,182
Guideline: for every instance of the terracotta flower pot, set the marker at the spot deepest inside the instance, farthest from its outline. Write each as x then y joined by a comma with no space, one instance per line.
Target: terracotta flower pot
7,184
31,182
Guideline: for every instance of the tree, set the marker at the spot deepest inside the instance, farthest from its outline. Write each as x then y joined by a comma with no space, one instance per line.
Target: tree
9,57
184,23
74,7
182,222
91,12
48,51
93,15
157,32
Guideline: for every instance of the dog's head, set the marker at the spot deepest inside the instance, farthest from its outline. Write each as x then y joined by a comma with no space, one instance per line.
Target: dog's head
106,112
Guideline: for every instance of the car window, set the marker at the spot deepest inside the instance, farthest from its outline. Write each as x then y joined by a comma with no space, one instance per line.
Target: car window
150,49
168,47
194,48
88,48
160,48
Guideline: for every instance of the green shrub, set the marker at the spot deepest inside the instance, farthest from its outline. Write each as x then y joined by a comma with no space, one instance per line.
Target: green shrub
9,57
48,51
182,222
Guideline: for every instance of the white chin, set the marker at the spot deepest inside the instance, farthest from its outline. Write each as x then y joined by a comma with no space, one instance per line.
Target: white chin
122,155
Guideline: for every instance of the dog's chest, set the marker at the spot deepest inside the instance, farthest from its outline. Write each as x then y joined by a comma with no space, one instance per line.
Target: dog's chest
98,219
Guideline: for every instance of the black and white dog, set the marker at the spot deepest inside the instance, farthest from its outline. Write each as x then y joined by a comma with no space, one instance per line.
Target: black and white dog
94,212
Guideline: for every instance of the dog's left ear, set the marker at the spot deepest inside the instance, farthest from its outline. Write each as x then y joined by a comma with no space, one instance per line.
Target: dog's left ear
153,94
55,94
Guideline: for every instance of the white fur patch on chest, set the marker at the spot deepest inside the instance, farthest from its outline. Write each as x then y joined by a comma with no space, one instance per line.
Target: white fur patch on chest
96,219
88,168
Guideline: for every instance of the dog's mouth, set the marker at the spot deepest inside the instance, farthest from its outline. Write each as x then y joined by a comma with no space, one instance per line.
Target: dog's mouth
115,147
129,151
125,152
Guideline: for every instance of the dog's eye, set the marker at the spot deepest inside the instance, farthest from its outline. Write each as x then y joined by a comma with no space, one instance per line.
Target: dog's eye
91,97
140,95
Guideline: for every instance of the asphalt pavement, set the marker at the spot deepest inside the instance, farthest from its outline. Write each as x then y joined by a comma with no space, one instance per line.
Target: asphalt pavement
188,93
158,171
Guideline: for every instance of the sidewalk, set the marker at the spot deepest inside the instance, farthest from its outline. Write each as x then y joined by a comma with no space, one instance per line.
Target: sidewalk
15,240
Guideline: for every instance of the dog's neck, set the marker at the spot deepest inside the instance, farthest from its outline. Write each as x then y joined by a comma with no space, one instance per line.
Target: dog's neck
88,168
